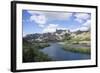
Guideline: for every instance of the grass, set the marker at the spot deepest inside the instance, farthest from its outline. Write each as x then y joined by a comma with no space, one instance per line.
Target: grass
31,52
40,45
78,40
75,49
34,55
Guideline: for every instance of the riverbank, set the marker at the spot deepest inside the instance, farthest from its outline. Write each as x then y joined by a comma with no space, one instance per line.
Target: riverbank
40,45
32,53
56,52
78,48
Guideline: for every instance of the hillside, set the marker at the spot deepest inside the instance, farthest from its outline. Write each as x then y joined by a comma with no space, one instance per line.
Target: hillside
83,37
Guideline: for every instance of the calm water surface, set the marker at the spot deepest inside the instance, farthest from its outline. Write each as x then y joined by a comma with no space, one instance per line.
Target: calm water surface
56,52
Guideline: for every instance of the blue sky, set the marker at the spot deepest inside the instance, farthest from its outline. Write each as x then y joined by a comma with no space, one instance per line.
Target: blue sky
49,21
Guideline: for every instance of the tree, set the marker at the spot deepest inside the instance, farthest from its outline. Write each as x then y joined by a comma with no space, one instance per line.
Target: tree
67,36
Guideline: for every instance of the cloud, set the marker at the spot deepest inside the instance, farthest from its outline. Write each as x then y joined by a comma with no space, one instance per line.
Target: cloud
33,12
79,28
62,28
83,28
87,23
53,28
79,20
59,16
56,15
38,18
50,28
81,17
41,17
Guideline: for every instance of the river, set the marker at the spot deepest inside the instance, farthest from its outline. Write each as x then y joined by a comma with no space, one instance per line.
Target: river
57,53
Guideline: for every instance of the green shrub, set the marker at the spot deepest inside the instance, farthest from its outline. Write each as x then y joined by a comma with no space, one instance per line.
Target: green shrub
31,52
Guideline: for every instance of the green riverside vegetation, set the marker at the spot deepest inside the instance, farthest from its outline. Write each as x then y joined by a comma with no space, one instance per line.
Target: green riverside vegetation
79,44
77,50
31,52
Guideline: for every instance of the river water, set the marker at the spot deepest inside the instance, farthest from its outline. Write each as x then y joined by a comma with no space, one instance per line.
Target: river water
57,53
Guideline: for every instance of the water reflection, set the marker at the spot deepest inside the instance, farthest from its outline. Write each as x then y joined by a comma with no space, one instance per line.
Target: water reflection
56,52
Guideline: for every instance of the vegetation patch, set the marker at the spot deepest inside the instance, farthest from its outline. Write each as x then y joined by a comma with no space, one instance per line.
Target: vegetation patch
31,52
75,49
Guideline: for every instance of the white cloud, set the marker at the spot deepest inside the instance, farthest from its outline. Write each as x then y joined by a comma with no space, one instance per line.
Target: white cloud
50,28
83,16
79,20
59,16
87,23
38,18
56,15
83,28
79,28
34,12
62,28
41,17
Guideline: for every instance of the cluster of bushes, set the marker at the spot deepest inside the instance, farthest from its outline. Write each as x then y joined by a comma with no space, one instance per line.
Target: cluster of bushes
31,52
40,45
33,55
78,50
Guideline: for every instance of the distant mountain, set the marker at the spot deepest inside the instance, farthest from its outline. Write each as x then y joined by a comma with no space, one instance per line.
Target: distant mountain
58,35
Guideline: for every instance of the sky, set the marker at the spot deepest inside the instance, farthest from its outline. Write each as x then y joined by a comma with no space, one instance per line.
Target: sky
49,21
